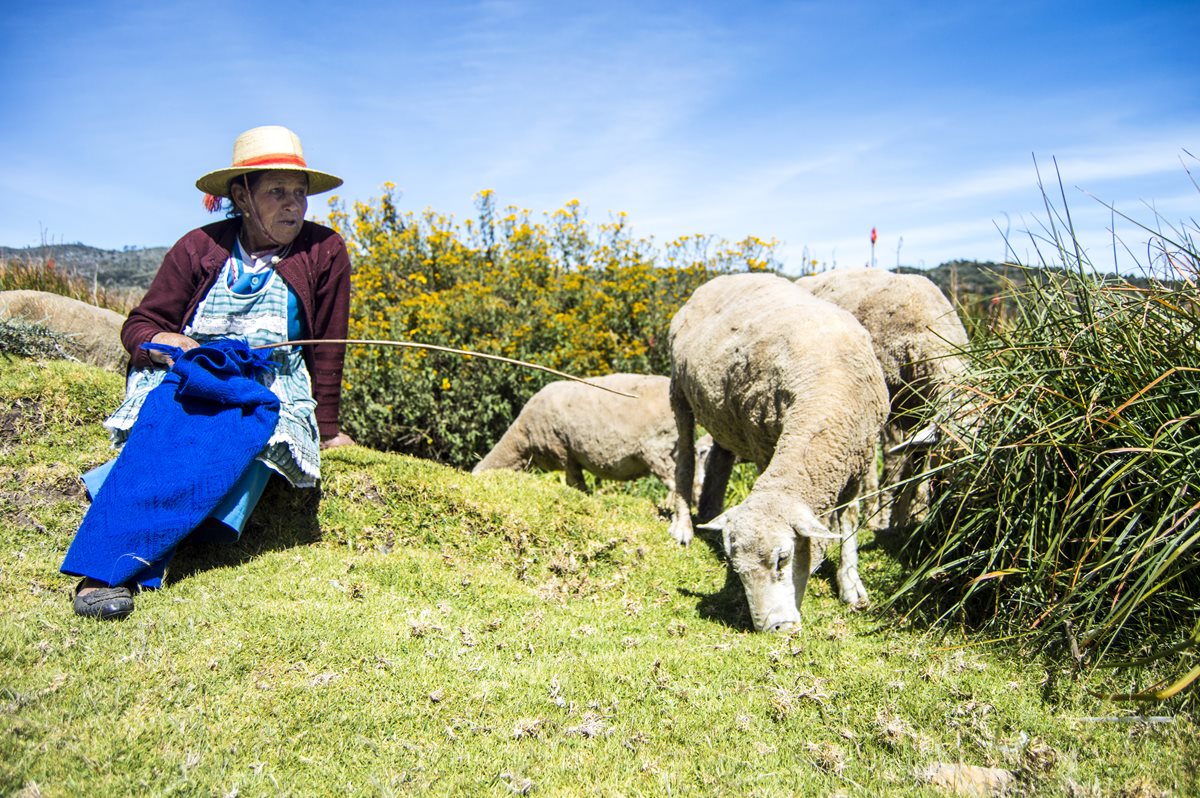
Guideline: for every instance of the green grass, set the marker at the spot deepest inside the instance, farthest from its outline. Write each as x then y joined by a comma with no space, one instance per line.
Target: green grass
426,631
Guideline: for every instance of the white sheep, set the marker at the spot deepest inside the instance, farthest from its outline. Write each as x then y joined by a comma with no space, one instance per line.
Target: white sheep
569,426
789,382
917,337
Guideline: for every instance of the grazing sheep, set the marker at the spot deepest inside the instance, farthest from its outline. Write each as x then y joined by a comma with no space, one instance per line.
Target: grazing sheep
789,382
917,335
568,426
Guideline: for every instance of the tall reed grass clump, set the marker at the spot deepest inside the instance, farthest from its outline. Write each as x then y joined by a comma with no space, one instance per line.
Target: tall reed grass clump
1067,506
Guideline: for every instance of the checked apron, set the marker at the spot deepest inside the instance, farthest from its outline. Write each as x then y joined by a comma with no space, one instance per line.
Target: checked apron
261,317
262,310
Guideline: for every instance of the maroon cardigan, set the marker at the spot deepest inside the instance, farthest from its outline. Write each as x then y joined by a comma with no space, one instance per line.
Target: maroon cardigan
317,269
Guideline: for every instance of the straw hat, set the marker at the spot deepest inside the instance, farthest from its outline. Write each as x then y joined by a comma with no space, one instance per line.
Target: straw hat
267,147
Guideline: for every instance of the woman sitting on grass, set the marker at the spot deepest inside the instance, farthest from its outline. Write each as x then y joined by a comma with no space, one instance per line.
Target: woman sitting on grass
214,416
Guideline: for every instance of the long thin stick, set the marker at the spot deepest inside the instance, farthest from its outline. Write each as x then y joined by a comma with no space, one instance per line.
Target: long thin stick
436,348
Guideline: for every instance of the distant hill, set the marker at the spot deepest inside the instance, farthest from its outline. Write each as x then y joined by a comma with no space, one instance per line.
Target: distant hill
113,269
134,268
970,284
973,285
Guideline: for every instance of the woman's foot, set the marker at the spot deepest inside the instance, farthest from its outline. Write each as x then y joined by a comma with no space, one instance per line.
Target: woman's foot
95,599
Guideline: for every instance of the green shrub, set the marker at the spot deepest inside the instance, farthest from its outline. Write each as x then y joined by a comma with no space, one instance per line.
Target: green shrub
563,293
26,339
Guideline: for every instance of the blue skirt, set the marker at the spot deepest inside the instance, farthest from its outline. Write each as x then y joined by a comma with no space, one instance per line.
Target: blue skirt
224,525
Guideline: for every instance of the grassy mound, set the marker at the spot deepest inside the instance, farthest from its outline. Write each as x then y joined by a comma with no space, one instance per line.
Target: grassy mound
422,630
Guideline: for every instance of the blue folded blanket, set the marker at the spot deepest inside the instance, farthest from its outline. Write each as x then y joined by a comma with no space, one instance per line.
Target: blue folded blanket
195,435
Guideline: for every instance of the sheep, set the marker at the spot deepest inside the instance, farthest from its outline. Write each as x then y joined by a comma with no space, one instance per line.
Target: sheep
789,382
568,426
917,336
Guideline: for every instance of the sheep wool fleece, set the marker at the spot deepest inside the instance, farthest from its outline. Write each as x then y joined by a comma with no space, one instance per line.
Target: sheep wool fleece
197,433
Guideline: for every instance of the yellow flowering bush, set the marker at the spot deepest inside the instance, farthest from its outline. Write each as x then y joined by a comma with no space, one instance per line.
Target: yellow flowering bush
562,292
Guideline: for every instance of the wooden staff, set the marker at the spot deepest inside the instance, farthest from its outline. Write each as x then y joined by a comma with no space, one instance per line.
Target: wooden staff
436,348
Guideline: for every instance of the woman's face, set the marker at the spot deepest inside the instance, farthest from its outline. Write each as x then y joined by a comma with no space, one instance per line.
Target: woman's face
280,201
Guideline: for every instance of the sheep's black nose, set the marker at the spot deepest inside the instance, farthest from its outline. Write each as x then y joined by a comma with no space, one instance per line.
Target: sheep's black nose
784,626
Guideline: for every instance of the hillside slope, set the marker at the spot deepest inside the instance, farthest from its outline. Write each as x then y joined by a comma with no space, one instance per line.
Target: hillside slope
423,630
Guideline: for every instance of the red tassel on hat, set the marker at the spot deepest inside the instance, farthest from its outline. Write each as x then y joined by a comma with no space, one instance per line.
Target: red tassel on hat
212,204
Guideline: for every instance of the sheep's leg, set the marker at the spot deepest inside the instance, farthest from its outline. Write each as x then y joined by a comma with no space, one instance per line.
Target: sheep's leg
660,461
902,489
665,471
850,587
718,467
893,468
685,469
876,506
575,474
911,500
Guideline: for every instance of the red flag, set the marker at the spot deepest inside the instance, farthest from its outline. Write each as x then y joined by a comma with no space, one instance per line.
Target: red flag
873,236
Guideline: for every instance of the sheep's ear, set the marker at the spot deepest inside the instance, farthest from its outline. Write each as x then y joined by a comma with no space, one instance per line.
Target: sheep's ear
925,438
818,534
808,525
719,524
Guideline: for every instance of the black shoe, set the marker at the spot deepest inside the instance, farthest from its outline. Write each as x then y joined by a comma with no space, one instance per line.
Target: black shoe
105,603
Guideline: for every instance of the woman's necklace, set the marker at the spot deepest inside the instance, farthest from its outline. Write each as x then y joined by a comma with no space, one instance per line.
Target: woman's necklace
255,255
249,275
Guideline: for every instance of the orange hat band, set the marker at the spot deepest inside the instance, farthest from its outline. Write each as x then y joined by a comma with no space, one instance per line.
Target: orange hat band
265,148
279,158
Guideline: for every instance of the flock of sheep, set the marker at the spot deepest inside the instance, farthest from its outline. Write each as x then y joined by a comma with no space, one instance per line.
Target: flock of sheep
805,379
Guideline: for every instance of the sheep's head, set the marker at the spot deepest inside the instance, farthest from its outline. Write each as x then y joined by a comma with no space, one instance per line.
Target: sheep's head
768,547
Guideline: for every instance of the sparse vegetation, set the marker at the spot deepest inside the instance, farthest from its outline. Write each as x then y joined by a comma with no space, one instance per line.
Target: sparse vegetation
118,271
44,274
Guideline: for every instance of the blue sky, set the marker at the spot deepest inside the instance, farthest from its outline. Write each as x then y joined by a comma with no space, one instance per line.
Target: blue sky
805,122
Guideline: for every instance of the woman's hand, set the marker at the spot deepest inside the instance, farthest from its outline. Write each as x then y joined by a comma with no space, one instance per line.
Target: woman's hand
170,339
341,439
